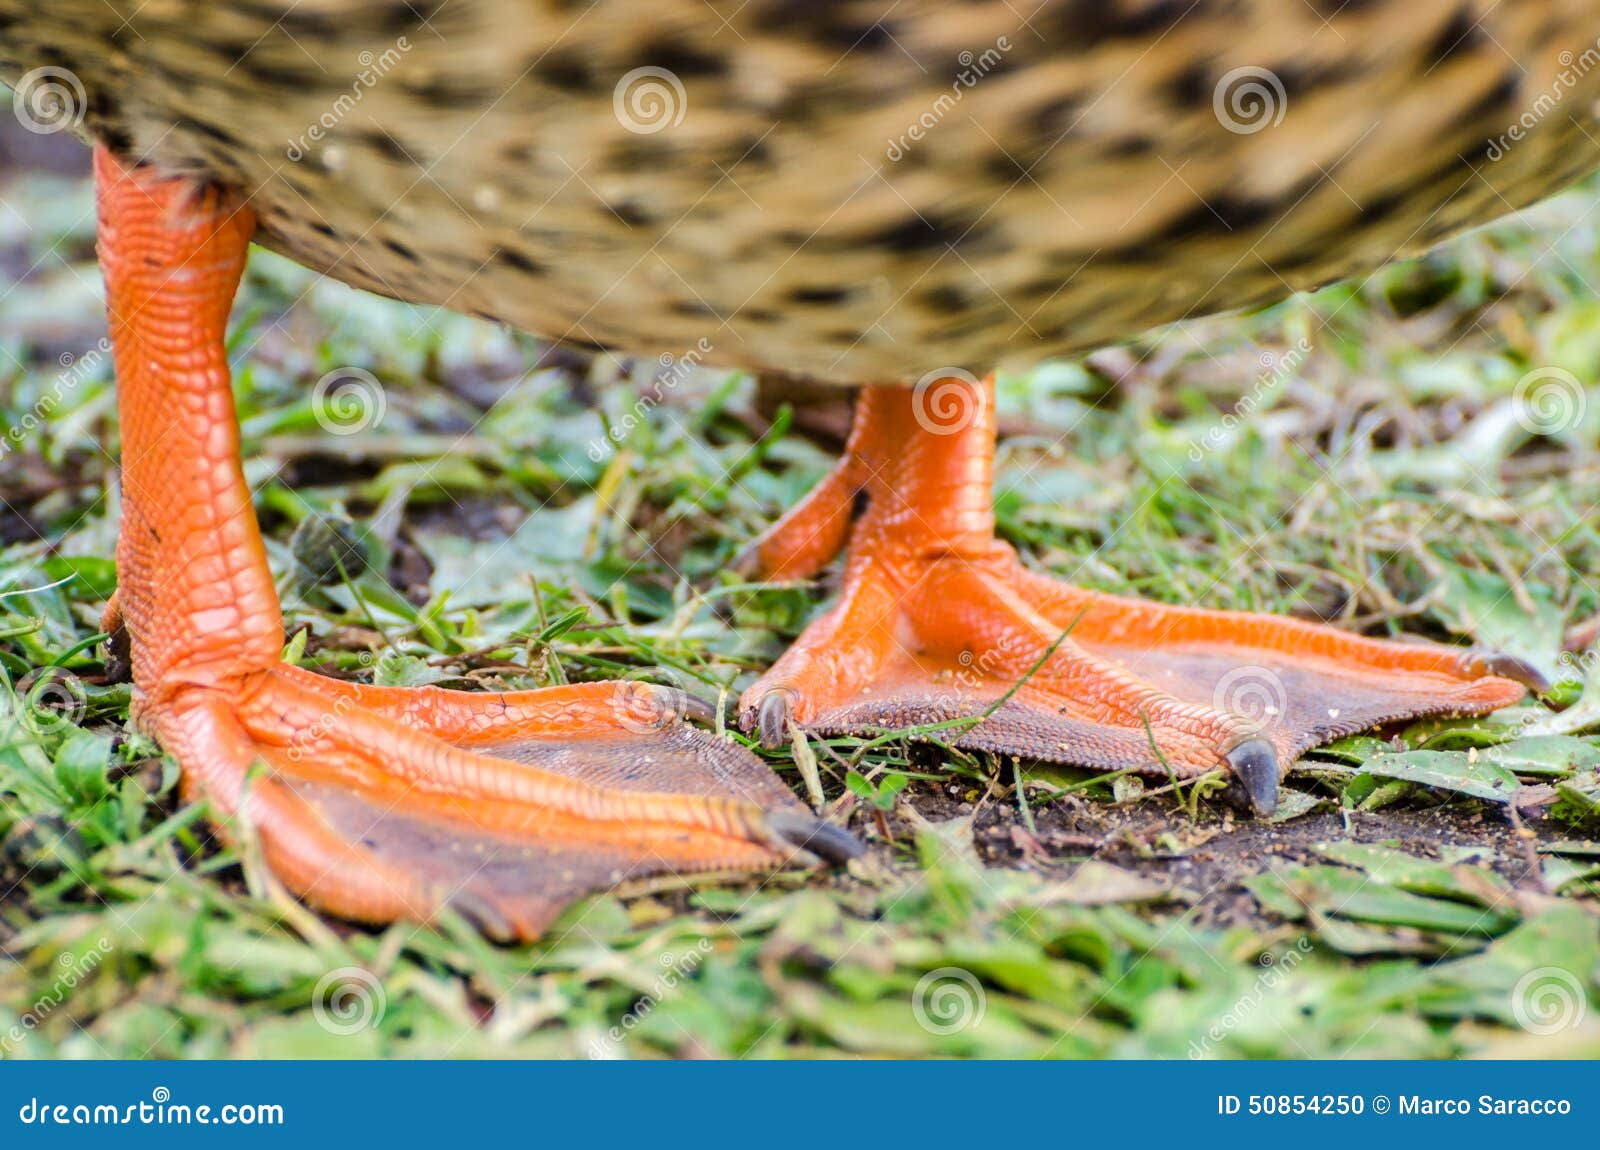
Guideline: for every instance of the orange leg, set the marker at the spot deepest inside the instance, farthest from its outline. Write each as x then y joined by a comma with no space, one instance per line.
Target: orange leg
939,621
374,803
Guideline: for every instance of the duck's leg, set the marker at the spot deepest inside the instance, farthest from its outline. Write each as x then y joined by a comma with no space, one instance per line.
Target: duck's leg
938,621
374,803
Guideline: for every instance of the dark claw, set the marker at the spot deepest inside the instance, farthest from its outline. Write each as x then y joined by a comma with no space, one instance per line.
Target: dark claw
1515,669
772,720
1254,764
830,843
119,657
483,915
687,706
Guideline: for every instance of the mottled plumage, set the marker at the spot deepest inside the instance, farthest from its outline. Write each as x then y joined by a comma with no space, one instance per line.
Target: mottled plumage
1075,180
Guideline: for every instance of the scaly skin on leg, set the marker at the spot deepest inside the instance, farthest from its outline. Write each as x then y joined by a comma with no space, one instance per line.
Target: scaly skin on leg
374,803
938,621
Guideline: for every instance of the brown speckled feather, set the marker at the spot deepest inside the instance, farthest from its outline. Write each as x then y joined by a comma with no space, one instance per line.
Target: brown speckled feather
1074,182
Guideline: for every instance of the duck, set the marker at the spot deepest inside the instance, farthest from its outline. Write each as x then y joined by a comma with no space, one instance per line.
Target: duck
899,198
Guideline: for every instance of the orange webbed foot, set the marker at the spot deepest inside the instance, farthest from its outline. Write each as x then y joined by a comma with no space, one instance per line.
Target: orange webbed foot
396,803
939,625
374,803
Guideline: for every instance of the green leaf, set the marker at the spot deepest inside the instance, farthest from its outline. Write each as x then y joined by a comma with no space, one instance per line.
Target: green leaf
1571,847
1292,804
1553,952
1337,891
1355,749
1423,876
1545,755
397,670
1458,771
92,578
81,763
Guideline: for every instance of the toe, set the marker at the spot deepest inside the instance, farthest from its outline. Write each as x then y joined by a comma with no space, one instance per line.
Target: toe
1256,773
806,832
367,813
1515,669
772,719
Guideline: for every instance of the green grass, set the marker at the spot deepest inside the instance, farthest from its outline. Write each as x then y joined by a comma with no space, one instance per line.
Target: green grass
1432,893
